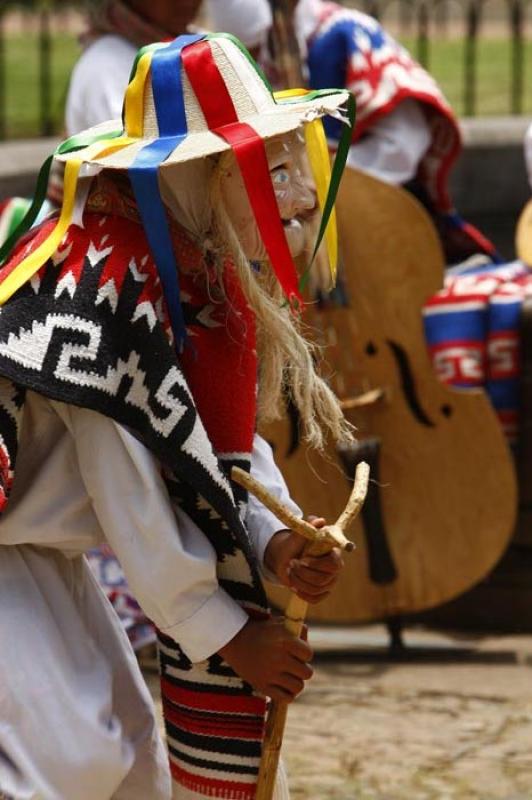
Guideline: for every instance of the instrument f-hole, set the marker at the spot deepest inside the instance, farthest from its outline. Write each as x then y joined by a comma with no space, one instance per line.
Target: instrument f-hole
408,383
371,349
447,410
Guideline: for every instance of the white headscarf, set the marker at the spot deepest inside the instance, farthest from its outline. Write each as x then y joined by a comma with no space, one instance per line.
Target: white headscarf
248,20
183,191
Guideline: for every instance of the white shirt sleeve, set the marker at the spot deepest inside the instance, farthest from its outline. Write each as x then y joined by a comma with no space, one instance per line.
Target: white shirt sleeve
394,145
98,83
168,561
261,523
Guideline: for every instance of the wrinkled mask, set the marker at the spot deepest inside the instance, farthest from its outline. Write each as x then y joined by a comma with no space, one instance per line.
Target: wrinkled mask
294,192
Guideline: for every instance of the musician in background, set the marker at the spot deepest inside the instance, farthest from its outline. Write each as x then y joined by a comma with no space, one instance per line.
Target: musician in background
406,133
248,20
117,28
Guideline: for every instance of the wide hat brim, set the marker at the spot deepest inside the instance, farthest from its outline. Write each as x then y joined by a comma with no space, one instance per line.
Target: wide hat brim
190,99
285,118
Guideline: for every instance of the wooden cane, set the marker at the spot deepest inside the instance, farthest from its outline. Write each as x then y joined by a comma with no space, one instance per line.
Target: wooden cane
320,542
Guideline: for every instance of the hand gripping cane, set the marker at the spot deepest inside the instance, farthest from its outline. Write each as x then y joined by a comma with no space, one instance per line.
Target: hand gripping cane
320,542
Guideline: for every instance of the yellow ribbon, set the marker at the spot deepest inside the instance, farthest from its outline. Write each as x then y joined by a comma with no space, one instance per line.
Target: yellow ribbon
96,152
134,100
30,265
133,112
320,162
27,268
134,128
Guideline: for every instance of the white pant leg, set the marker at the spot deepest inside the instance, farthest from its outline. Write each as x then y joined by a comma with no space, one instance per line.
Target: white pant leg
76,721
149,777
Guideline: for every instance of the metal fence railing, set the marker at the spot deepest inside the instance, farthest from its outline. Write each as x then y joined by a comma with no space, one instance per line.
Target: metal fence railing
473,47
38,48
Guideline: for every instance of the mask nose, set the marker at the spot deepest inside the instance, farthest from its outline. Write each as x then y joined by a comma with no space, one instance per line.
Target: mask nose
296,195
307,197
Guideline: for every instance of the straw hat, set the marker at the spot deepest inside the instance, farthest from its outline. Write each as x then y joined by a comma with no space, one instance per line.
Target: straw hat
195,97
212,67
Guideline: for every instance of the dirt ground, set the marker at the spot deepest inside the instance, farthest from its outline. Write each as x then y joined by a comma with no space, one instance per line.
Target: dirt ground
452,719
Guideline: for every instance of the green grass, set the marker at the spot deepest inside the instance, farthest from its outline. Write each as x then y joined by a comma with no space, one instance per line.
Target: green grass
22,82
446,62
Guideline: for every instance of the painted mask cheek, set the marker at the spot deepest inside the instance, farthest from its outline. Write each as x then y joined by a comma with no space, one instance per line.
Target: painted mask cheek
293,193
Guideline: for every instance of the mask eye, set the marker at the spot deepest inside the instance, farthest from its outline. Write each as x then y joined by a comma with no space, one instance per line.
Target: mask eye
280,177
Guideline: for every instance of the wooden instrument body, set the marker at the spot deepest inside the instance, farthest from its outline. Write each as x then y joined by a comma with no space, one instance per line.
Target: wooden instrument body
447,486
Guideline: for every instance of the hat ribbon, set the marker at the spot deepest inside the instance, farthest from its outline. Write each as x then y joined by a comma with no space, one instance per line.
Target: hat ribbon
17,274
167,87
248,147
327,183
320,163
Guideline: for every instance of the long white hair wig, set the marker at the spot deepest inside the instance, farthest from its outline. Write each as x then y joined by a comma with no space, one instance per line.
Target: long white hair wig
287,358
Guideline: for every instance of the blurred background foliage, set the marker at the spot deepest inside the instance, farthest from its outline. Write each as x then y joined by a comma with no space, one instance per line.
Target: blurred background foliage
479,51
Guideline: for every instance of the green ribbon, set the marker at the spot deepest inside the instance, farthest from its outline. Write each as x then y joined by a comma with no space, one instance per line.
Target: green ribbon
336,176
70,145
82,140
31,215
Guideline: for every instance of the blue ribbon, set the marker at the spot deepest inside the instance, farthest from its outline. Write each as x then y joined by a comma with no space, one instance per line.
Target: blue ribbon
167,85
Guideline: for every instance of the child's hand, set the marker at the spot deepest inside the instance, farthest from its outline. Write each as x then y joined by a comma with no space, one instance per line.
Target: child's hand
270,658
312,578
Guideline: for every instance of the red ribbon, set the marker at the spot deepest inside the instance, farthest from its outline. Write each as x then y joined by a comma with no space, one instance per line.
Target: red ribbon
220,113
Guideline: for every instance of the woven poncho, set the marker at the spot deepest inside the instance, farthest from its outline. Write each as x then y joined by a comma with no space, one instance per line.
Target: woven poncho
91,329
